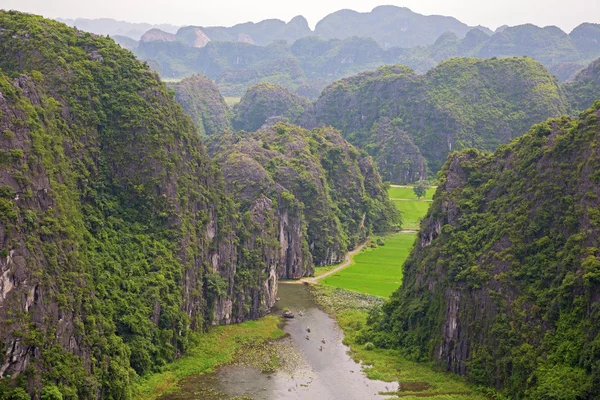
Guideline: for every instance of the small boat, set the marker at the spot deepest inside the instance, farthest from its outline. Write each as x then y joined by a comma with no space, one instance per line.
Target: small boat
288,314
277,298
300,313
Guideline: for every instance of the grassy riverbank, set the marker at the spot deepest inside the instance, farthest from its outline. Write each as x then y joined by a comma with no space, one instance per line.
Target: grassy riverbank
217,347
417,380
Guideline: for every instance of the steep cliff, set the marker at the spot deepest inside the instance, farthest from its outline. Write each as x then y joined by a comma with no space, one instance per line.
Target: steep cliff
201,100
503,284
116,236
460,103
264,101
326,196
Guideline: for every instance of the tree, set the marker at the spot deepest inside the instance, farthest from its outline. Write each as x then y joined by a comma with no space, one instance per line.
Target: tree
420,189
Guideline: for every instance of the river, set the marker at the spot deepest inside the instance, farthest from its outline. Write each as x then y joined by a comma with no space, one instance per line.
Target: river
306,371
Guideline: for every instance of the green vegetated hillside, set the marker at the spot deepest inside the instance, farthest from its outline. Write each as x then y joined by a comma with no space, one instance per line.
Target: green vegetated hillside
117,238
503,285
201,99
117,235
264,101
585,89
460,103
563,53
332,194
305,66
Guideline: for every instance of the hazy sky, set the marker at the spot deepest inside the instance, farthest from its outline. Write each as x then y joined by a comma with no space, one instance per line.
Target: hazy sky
492,13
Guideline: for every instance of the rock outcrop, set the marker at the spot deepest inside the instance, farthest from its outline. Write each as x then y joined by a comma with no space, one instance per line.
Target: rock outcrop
503,285
117,238
328,196
192,36
460,103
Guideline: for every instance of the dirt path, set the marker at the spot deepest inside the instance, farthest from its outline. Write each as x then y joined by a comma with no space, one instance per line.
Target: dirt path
346,263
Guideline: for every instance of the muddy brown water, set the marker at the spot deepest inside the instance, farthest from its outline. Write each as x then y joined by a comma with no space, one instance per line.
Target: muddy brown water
306,373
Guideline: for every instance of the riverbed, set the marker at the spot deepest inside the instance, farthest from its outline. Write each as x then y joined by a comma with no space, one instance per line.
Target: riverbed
309,368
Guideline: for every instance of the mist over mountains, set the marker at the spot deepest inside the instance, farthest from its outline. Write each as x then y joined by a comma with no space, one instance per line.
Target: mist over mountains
342,44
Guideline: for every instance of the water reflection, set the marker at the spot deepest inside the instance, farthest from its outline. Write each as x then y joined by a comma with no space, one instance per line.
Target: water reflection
306,372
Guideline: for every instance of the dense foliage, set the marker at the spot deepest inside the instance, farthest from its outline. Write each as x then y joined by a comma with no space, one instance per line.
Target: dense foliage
460,103
201,100
264,101
585,89
503,285
116,236
317,174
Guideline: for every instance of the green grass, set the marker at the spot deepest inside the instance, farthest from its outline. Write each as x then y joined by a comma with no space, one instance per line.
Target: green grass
232,101
376,271
419,379
171,80
325,269
411,208
211,349
412,212
406,192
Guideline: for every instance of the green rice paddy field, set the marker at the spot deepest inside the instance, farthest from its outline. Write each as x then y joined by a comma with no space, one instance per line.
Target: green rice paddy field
406,192
376,271
411,208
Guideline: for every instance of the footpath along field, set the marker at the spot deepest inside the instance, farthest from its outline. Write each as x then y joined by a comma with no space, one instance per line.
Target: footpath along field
377,270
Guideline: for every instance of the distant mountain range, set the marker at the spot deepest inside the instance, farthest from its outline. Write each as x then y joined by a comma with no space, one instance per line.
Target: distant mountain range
343,43
390,26
111,27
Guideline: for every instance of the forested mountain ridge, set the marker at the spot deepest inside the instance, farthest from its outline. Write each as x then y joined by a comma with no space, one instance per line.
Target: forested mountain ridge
309,64
585,89
503,284
333,195
263,101
201,100
389,25
460,103
116,233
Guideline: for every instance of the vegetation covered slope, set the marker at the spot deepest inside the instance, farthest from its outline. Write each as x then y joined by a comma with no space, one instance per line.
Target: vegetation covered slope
309,64
325,189
585,89
201,100
460,103
116,236
503,285
264,101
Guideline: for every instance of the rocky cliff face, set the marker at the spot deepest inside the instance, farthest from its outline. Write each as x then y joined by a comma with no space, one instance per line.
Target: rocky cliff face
503,285
201,100
328,196
116,235
192,36
453,106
